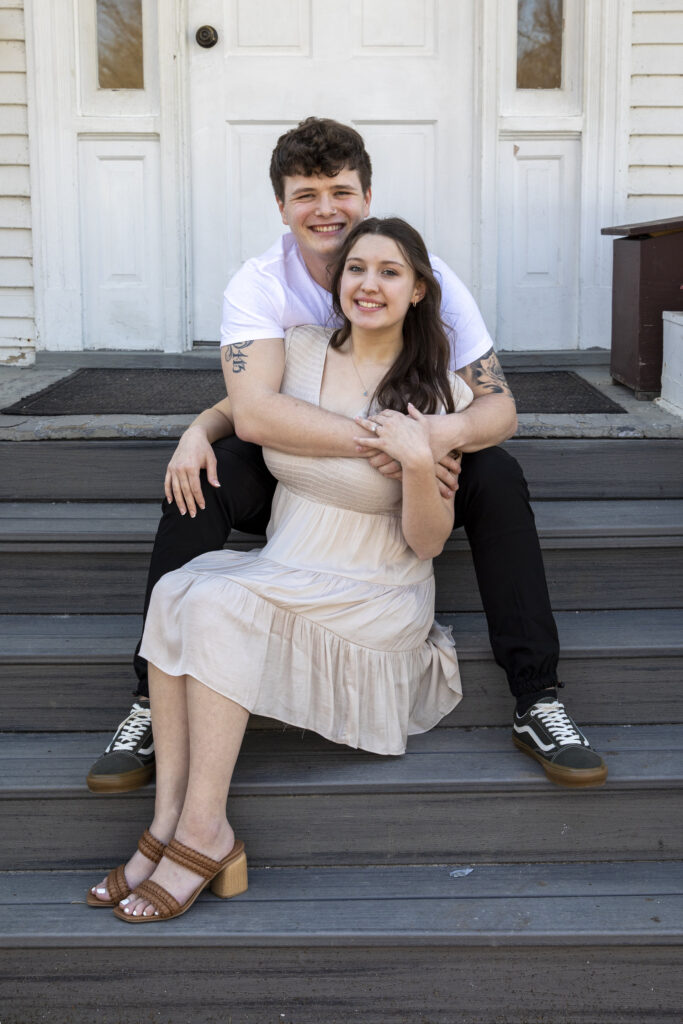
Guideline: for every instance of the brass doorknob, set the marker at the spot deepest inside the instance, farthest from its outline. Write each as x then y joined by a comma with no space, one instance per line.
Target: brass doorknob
207,36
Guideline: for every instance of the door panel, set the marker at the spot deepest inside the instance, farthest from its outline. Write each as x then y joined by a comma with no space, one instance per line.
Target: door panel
539,243
121,243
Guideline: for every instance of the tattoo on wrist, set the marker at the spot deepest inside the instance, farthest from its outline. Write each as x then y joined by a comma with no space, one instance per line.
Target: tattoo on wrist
487,373
236,355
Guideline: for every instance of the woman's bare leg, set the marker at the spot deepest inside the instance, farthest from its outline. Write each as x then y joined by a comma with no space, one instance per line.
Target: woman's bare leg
216,730
168,696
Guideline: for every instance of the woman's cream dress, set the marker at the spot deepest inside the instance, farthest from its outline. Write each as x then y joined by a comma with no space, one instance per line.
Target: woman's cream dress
330,626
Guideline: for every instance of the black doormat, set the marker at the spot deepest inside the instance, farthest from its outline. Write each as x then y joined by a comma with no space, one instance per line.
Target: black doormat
558,391
165,392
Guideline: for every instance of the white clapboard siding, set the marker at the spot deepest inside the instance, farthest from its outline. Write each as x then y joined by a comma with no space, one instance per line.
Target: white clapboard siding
657,91
16,273
13,86
655,152
641,6
660,150
12,55
15,180
13,119
20,329
11,22
16,302
658,181
655,121
662,26
15,212
666,57
17,321
15,243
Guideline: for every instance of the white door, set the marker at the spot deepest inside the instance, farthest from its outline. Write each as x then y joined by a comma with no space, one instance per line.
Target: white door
107,183
540,130
400,71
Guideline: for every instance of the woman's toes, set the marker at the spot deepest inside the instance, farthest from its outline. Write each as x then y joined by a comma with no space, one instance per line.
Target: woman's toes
135,907
143,910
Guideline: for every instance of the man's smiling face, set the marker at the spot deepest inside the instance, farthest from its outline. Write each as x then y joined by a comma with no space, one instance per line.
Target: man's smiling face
320,211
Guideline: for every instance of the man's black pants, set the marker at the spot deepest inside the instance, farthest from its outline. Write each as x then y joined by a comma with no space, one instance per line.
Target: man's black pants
491,503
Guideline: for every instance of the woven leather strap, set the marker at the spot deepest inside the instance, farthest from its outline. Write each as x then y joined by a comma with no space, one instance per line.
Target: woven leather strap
159,897
151,847
116,884
192,859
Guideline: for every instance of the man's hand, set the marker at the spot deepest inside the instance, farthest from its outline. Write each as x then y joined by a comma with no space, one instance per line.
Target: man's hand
193,454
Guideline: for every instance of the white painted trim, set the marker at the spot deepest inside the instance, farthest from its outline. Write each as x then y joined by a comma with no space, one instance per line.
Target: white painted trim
174,98
485,160
605,137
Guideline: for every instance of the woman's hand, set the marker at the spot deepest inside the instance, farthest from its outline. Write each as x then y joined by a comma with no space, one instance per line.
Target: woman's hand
182,483
404,438
426,515
447,470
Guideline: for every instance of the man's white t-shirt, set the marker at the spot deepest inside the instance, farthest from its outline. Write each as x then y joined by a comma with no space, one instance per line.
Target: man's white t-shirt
273,292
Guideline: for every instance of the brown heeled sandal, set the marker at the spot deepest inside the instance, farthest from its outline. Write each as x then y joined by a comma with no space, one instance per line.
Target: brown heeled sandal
116,883
228,877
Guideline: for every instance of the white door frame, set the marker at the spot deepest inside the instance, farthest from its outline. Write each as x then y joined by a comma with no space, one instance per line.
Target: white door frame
603,127
56,121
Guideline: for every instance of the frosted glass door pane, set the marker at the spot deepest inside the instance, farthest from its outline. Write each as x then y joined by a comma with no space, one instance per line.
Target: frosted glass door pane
539,44
119,44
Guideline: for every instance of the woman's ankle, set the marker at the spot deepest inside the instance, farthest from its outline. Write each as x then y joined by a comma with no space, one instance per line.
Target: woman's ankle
204,833
164,825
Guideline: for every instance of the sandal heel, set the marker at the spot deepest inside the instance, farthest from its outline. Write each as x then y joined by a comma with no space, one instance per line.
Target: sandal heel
232,880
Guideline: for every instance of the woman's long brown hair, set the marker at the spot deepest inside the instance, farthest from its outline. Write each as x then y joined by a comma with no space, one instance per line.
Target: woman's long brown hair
420,372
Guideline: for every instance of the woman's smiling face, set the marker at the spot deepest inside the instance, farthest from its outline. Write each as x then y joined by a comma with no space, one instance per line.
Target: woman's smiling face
378,284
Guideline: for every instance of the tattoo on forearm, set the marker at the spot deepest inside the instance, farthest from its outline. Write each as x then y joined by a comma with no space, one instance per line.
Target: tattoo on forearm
487,373
236,355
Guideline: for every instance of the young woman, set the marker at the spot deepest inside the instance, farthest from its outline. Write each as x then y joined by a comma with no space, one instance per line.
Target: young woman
329,627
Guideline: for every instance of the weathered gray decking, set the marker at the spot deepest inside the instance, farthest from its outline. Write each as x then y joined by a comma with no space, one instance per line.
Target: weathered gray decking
573,912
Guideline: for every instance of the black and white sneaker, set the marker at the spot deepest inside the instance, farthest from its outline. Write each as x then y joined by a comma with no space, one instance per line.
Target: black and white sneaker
547,733
128,761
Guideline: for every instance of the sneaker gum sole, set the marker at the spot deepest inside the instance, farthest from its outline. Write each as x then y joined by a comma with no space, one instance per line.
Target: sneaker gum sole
123,782
572,778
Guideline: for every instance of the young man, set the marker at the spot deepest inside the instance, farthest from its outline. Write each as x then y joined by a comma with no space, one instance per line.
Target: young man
217,481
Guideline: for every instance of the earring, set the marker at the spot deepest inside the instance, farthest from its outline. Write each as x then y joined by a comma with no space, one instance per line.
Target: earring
414,303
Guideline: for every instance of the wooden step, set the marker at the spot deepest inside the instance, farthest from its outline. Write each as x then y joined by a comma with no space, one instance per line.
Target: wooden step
597,554
300,800
135,522
134,470
379,945
62,672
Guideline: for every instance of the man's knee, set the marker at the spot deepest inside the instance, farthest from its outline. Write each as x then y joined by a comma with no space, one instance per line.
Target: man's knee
233,453
170,512
246,485
494,472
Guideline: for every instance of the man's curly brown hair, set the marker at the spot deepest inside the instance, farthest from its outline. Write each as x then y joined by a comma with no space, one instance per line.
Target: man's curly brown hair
319,145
